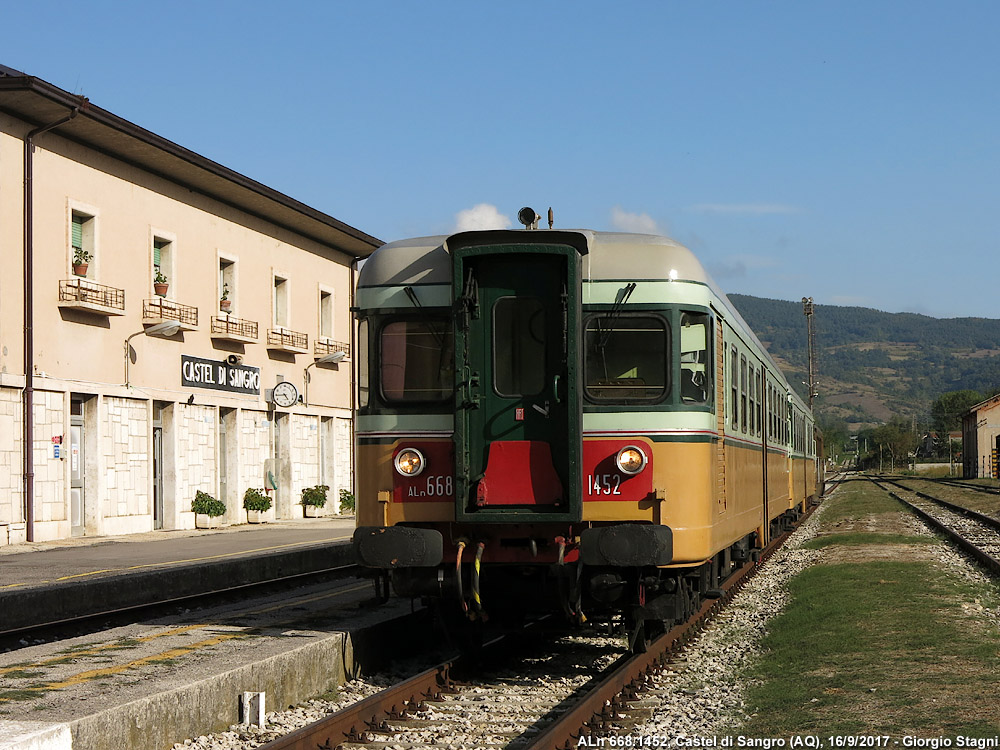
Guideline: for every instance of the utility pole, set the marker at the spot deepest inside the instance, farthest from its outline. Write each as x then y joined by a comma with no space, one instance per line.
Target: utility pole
808,308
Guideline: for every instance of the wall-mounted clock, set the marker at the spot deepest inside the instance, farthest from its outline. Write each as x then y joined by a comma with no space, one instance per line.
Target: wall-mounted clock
284,394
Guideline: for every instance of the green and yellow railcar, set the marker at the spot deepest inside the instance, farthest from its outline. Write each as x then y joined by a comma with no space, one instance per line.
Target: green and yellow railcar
572,420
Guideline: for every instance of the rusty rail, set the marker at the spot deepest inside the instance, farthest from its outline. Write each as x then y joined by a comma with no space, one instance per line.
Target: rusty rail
354,723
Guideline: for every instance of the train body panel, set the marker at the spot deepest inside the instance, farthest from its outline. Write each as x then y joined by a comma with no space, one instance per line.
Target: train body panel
566,398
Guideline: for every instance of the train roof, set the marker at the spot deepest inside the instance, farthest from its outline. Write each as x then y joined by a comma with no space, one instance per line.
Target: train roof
606,256
425,260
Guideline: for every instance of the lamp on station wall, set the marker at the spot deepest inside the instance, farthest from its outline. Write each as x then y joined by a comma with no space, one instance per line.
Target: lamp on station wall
327,359
162,330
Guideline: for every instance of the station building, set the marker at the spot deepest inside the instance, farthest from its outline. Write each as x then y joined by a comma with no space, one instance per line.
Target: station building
119,400
981,439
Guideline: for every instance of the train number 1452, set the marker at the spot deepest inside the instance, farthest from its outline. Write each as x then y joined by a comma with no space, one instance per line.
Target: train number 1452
604,484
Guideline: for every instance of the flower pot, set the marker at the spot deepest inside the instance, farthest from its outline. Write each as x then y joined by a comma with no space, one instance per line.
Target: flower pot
204,521
80,269
160,289
312,511
225,304
255,516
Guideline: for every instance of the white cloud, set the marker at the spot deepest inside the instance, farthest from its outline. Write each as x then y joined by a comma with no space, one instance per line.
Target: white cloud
480,216
629,222
748,209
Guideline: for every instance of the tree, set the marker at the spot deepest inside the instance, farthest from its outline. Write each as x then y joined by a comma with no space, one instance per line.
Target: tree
948,408
897,438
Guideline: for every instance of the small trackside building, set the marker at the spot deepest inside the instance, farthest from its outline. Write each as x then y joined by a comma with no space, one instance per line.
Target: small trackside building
981,439
204,343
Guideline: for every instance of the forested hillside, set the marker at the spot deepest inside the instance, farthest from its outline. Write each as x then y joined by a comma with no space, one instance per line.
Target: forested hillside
872,365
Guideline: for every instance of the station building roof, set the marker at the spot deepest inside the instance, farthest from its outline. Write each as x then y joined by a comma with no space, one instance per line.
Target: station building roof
39,103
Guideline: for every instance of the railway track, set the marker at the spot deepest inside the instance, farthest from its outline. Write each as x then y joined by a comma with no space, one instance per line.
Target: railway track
532,704
968,485
976,534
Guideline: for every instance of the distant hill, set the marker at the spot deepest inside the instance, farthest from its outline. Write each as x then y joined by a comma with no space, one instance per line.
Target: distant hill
871,365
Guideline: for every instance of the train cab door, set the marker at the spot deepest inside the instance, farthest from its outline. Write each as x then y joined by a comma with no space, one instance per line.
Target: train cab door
518,410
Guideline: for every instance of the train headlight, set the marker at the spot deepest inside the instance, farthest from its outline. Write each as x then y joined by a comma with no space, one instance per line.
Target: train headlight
631,460
410,462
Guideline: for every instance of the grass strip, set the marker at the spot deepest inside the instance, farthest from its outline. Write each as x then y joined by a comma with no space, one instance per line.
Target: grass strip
896,646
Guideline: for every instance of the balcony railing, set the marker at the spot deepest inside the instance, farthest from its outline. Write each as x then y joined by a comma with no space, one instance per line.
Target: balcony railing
325,346
159,309
234,329
81,294
284,340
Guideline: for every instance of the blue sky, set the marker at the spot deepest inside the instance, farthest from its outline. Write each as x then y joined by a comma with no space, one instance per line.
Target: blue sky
846,151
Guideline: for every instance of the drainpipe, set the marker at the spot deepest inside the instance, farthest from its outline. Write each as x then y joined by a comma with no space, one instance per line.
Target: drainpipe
355,367
29,336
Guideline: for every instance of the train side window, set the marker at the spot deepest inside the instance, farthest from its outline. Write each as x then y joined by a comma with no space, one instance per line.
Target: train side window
743,393
695,386
626,359
417,361
364,386
734,380
752,388
759,384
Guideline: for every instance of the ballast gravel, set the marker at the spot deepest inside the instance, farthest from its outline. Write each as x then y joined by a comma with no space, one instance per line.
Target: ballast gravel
699,696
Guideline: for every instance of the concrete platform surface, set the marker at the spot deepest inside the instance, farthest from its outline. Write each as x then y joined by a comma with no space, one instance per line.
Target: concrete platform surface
53,581
147,685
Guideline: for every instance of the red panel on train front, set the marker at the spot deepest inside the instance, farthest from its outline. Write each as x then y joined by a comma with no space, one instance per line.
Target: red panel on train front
519,472
435,484
603,480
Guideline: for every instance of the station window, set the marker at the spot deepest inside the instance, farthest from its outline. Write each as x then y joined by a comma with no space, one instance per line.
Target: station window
627,359
326,314
227,282
82,240
163,259
416,361
280,302
695,386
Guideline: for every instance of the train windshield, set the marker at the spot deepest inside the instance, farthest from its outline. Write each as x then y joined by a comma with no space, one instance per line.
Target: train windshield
417,361
627,359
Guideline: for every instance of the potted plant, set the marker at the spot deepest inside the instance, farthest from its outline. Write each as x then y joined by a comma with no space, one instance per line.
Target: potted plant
224,302
313,499
346,501
256,502
81,259
160,283
206,509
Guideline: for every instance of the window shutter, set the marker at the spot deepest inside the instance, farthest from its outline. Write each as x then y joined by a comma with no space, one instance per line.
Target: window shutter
77,231
157,246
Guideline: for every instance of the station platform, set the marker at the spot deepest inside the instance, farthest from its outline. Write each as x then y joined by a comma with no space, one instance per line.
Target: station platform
49,582
149,684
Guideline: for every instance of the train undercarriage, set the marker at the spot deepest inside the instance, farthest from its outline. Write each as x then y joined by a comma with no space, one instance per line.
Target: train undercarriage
637,602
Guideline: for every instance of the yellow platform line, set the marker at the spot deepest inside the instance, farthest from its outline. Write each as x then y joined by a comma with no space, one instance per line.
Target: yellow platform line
172,631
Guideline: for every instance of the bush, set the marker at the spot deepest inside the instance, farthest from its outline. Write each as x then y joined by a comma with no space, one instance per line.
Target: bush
207,505
315,496
346,501
254,499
